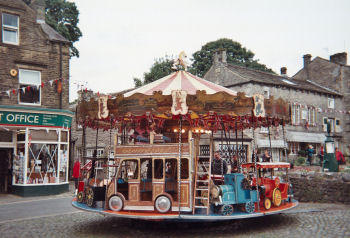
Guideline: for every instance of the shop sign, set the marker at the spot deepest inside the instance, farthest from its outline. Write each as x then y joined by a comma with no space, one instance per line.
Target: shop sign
34,119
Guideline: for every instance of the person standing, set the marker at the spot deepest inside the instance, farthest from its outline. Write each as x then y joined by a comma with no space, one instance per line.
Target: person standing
320,155
218,166
76,174
339,156
310,151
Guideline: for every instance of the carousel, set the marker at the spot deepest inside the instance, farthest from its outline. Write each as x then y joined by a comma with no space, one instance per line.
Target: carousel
159,171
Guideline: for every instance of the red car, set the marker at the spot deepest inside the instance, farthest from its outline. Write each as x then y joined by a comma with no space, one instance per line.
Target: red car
271,189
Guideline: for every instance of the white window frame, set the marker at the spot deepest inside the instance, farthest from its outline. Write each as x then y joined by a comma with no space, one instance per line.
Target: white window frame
10,28
312,116
19,82
337,127
295,114
264,130
331,103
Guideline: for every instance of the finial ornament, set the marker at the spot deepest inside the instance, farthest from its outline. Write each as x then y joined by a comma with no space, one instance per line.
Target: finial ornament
181,61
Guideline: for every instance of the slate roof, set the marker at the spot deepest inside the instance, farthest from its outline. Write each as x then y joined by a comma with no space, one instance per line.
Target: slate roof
52,34
241,75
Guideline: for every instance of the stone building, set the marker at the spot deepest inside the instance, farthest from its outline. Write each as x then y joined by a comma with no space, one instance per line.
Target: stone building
34,101
312,103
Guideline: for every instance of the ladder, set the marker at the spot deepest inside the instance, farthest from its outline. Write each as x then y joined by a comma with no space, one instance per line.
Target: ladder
202,184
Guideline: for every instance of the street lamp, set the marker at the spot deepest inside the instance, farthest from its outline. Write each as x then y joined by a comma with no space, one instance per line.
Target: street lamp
329,161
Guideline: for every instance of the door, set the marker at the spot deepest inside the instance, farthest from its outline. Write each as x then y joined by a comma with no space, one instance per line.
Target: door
5,170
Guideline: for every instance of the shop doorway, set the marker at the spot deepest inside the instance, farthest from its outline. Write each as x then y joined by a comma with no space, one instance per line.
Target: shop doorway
6,155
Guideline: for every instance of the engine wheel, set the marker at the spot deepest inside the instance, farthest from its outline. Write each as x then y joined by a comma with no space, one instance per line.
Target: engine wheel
162,204
116,203
90,197
80,197
226,210
277,197
249,207
267,203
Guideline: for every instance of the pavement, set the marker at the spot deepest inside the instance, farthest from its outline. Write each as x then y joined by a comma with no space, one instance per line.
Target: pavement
11,198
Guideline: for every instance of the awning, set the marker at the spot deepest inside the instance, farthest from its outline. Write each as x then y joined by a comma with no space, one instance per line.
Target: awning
274,143
296,136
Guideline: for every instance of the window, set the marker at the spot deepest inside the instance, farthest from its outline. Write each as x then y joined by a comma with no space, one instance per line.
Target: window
312,116
10,29
29,82
295,114
331,103
264,130
90,153
266,92
337,125
331,123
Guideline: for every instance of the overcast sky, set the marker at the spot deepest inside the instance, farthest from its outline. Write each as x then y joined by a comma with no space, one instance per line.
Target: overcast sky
121,39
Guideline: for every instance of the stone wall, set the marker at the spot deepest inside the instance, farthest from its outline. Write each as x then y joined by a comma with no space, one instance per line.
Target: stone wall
34,51
321,187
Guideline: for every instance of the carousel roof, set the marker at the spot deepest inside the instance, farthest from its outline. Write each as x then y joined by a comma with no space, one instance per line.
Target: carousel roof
180,80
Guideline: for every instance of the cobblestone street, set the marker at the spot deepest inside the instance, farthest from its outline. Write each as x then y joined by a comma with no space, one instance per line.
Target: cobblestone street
307,220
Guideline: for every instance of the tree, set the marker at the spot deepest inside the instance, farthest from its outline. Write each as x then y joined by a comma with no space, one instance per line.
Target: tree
160,68
236,54
63,16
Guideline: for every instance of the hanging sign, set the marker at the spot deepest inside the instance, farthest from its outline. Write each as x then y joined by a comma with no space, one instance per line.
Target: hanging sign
102,107
179,102
259,108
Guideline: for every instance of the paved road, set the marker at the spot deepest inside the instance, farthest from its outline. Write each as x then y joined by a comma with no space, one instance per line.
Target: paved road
35,208
308,220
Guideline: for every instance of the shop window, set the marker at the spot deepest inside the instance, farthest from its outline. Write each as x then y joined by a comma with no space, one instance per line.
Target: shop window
63,163
10,28
64,136
18,165
29,83
5,136
42,164
44,135
21,135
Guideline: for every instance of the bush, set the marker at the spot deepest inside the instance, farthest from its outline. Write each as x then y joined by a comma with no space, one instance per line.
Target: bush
300,161
302,153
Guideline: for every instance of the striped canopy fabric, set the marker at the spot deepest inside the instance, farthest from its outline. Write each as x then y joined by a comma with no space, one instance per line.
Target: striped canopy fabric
180,80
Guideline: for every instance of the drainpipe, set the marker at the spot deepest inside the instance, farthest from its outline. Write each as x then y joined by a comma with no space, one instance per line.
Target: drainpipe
60,80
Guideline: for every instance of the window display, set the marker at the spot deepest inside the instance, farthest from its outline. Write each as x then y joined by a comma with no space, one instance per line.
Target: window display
45,160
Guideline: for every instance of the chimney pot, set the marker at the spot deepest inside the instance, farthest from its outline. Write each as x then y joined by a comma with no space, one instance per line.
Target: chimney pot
339,58
307,60
220,56
39,7
284,71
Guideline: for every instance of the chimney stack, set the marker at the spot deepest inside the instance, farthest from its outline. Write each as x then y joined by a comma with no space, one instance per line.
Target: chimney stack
307,60
39,7
284,71
339,58
220,56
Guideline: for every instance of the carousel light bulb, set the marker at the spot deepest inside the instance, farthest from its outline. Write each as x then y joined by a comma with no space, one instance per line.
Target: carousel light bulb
183,131
197,130
202,130
175,130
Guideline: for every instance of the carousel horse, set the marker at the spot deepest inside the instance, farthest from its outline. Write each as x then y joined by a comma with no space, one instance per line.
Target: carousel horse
180,61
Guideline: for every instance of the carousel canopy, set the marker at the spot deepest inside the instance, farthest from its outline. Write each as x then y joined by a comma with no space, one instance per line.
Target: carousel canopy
181,94
180,80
